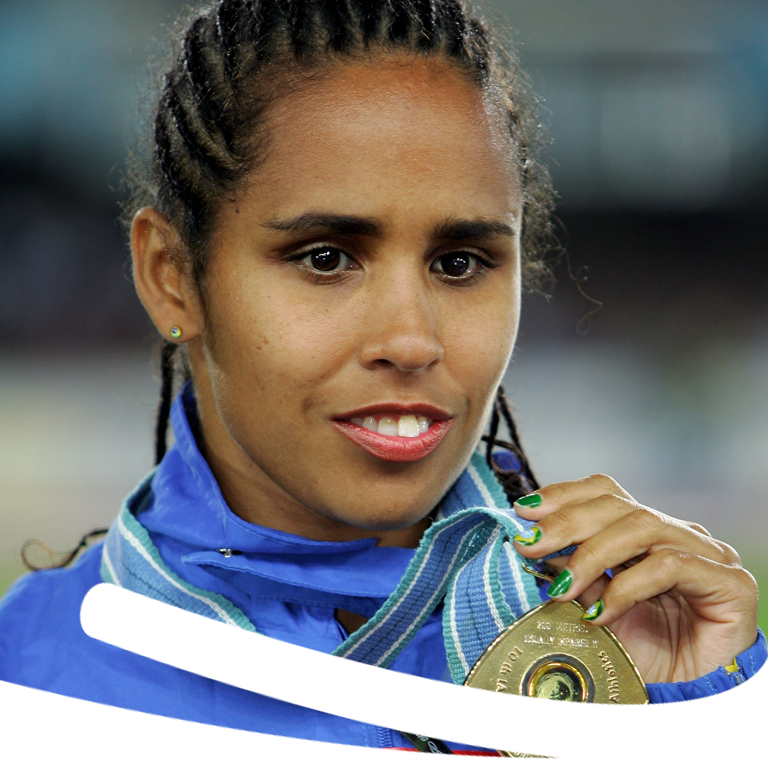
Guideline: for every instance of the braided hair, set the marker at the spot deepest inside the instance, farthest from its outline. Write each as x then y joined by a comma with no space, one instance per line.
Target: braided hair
234,58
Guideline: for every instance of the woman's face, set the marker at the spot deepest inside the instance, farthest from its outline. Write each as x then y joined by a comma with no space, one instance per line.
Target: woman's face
363,286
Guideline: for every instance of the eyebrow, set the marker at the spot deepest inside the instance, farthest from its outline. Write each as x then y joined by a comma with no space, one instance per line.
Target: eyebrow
472,229
342,224
338,223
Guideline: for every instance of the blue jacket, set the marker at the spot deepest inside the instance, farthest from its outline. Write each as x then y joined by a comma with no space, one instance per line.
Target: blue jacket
287,586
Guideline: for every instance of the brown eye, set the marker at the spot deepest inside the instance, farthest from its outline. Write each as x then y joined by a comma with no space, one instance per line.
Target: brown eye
456,265
327,260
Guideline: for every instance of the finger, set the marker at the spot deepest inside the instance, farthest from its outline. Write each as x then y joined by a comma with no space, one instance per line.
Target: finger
555,565
572,525
638,533
594,592
555,496
718,593
696,527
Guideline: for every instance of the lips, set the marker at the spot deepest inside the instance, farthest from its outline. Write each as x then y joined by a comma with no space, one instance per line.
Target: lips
375,430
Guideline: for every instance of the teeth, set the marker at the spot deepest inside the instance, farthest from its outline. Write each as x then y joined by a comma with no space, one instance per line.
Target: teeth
408,426
387,426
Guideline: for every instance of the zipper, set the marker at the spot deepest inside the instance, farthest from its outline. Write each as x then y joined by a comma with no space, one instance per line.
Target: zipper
383,730
747,697
392,707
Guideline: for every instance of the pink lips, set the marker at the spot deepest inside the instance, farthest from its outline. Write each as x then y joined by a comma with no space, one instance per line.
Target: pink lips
396,449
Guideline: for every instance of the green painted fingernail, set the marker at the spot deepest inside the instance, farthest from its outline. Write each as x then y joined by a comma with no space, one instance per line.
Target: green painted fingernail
529,501
561,584
528,537
594,611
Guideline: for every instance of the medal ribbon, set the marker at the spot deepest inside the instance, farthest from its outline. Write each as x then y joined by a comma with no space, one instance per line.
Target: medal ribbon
464,559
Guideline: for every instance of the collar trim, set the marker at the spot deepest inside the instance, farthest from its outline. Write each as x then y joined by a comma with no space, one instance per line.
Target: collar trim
461,559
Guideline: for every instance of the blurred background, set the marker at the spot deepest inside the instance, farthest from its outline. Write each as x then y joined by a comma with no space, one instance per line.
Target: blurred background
658,113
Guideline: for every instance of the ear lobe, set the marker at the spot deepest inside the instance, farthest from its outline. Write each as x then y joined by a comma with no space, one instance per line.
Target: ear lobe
160,276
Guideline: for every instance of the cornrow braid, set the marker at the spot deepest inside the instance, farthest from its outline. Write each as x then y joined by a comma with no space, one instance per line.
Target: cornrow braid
400,26
338,19
300,28
370,21
453,24
47,559
166,396
519,480
236,57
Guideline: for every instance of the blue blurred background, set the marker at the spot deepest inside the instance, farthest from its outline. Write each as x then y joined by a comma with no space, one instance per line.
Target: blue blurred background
659,117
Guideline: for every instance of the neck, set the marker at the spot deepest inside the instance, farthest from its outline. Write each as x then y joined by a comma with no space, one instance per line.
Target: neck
254,497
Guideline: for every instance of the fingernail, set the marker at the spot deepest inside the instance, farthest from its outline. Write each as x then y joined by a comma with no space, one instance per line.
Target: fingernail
528,537
594,611
561,584
529,501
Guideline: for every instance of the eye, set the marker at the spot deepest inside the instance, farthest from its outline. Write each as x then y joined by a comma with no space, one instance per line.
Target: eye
326,259
457,265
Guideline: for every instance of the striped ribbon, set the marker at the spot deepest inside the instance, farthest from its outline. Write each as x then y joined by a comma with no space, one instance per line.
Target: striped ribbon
464,560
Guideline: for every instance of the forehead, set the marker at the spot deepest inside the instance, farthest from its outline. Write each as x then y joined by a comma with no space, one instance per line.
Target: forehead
389,131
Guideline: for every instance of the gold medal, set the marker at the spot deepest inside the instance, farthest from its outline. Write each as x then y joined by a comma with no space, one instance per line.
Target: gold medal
551,653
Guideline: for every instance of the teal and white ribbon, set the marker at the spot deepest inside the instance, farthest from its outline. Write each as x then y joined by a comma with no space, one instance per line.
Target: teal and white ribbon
464,560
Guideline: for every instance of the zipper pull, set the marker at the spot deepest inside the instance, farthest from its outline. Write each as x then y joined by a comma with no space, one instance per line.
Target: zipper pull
745,693
401,715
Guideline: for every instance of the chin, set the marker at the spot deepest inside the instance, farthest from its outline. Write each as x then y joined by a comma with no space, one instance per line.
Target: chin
386,523
380,521
382,498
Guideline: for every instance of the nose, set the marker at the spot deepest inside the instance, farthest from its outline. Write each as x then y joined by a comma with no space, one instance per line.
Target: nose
402,330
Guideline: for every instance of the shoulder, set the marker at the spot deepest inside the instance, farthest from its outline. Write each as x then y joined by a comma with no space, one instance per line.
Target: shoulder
43,645
41,611
36,591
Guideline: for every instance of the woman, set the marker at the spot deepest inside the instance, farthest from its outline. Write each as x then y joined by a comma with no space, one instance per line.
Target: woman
343,202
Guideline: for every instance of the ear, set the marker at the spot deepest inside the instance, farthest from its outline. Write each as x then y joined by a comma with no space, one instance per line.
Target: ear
161,277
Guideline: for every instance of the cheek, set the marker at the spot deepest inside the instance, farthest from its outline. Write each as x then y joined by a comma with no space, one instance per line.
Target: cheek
280,342
481,342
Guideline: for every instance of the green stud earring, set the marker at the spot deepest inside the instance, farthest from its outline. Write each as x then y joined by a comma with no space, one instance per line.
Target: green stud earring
175,332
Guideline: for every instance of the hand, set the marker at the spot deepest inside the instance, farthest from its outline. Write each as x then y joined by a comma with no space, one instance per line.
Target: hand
680,602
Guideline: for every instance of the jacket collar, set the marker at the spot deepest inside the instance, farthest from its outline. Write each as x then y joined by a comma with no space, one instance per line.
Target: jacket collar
187,508
186,517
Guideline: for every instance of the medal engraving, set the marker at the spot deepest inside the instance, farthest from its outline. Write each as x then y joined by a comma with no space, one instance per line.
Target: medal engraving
551,686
